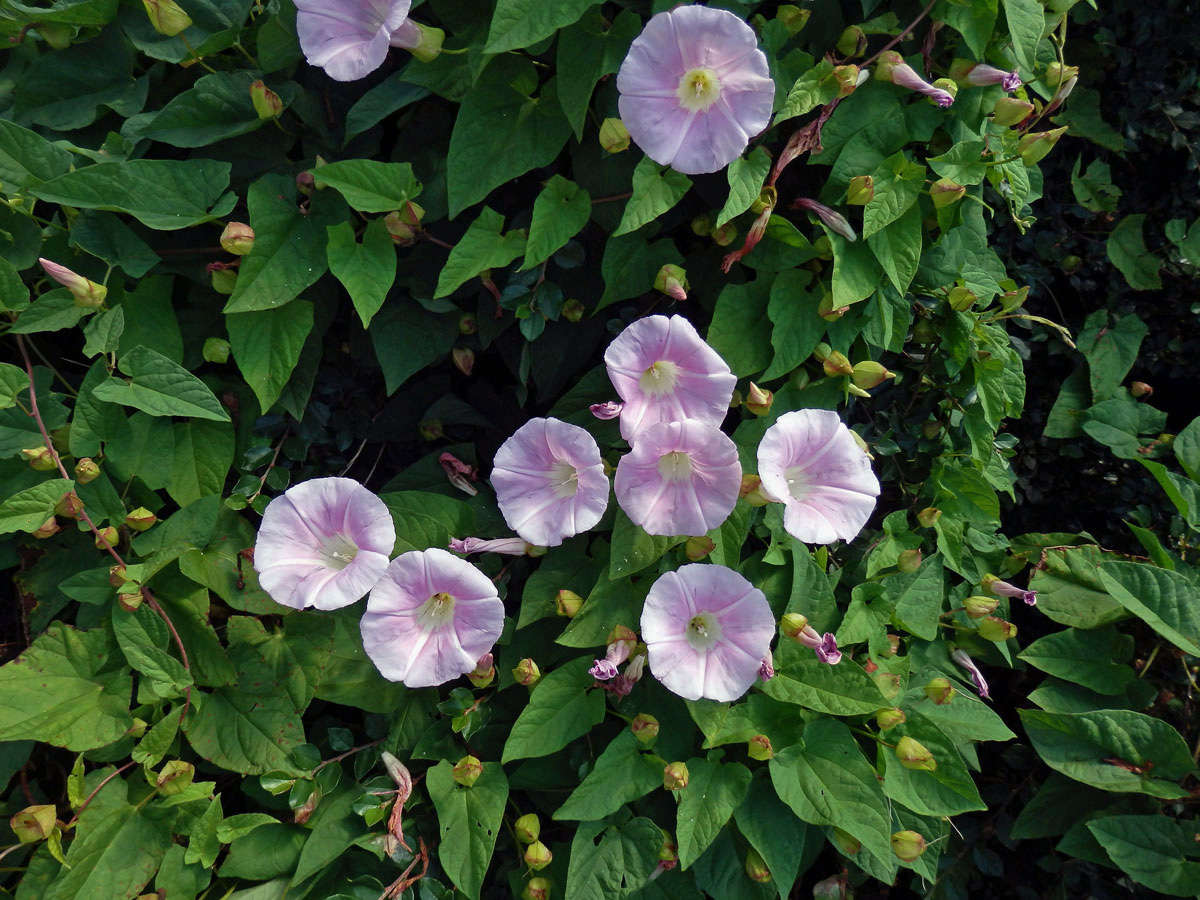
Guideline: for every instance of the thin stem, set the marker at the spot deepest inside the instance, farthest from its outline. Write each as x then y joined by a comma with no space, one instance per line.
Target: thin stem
1150,659
902,35
623,196
107,779
274,459
341,756
57,374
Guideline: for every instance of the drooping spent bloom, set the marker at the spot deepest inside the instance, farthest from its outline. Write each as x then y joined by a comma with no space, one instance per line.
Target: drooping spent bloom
809,461
695,89
766,668
824,645
982,74
834,220
1004,589
679,478
622,685
621,642
323,543
609,409
349,39
665,372
506,546
86,292
963,659
550,481
460,473
706,630
431,618
892,67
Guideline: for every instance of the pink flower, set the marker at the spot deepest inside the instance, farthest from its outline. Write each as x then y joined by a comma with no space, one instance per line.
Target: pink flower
824,645
706,630
617,653
431,618
550,481
963,659
893,68
349,39
695,89
507,546
983,74
810,462
679,478
1004,589
323,543
665,372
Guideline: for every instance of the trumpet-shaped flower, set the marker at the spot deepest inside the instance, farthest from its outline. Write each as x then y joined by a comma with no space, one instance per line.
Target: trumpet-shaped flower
349,39
665,372
809,461
707,631
323,543
679,478
431,618
550,481
695,89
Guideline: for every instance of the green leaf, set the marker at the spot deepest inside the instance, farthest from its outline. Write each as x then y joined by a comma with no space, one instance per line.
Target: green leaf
14,294
13,383
66,691
215,108
52,311
407,338
964,719
844,690
617,866
562,707
335,828
630,265
519,23
898,248
741,331
162,194
746,177
656,189
771,828
107,237
856,274
1111,350
370,186
501,132
797,325
587,51
350,677
1127,250
29,509
1187,449
633,549
160,387
289,248
1026,21
203,457
469,820
918,598
560,212
483,247
812,89
27,159
266,345
898,184
143,638
946,791
1069,588
963,163
367,270
714,791
1093,658
621,774
103,331
1115,750
425,520
612,602
1152,850
1166,601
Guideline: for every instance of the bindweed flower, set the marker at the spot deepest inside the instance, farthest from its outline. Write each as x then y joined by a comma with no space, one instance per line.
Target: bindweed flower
672,281
349,39
695,88
550,482
893,68
824,645
506,546
982,74
665,372
961,657
604,669
323,543
679,478
87,293
431,618
609,409
706,630
809,461
1004,589
835,221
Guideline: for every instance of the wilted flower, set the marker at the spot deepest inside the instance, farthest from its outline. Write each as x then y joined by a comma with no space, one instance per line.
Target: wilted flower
1004,589
665,372
679,478
834,220
617,653
695,89
507,546
609,409
349,39
460,473
550,481
810,462
707,630
430,618
982,74
893,68
961,657
824,645
323,543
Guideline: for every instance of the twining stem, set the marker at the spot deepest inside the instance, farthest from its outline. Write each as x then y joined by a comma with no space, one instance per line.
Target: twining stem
341,756
901,36
96,790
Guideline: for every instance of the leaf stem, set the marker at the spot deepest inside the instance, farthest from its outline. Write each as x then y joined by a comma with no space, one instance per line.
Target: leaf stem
96,790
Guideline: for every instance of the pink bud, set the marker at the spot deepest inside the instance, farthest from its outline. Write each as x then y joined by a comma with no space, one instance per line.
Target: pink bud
87,293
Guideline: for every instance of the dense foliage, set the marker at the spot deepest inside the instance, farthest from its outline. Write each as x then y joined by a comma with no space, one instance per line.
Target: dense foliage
254,275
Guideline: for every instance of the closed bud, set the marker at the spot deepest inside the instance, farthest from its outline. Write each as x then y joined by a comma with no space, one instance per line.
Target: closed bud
861,190
913,755
675,776
908,845
573,310
1032,148
404,225
699,547
40,459
940,690
995,629
756,867
130,600
567,603
34,823
836,364
237,238
724,235
759,747
108,534
467,771
821,352
267,103
464,359
467,324
853,42
759,401
117,576
888,684
887,719
1057,74
929,516
86,470
961,299
224,279
305,183
1139,389
614,136
140,519
69,505
668,850
536,889
978,606
644,727
702,225
751,491
167,16
672,281
869,374
55,34
827,311
909,561
431,430
846,842
792,625
793,17
823,247
538,856
527,672
49,528
1011,111
528,828
945,192
1010,300
216,350
847,78
484,672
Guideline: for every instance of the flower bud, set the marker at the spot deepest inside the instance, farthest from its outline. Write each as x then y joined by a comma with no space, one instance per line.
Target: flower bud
995,629
130,600
759,747
464,359
699,547
961,299
1011,111
861,190
869,374
644,728
216,350
567,603
940,690
847,78
724,235
1139,389
887,719
759,401
908,845
69,505
888,684
173,778
924,332
305,182
34,823
108,534
836,364
793,18
527,672
404,226
467,324
614,136
675,776
573,310
536,889
945,192
672,281
40,459
978,606
756,867
117,575
49,528
928,516
267,103
792,625
913,755
528,828
167,16
484,672
224,279
702,225
140,519
832,219
1032,148
823,247
237,238
853,42
431,430
751,491
909,561
467,771
668,851
846,842
1058,74
538,856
